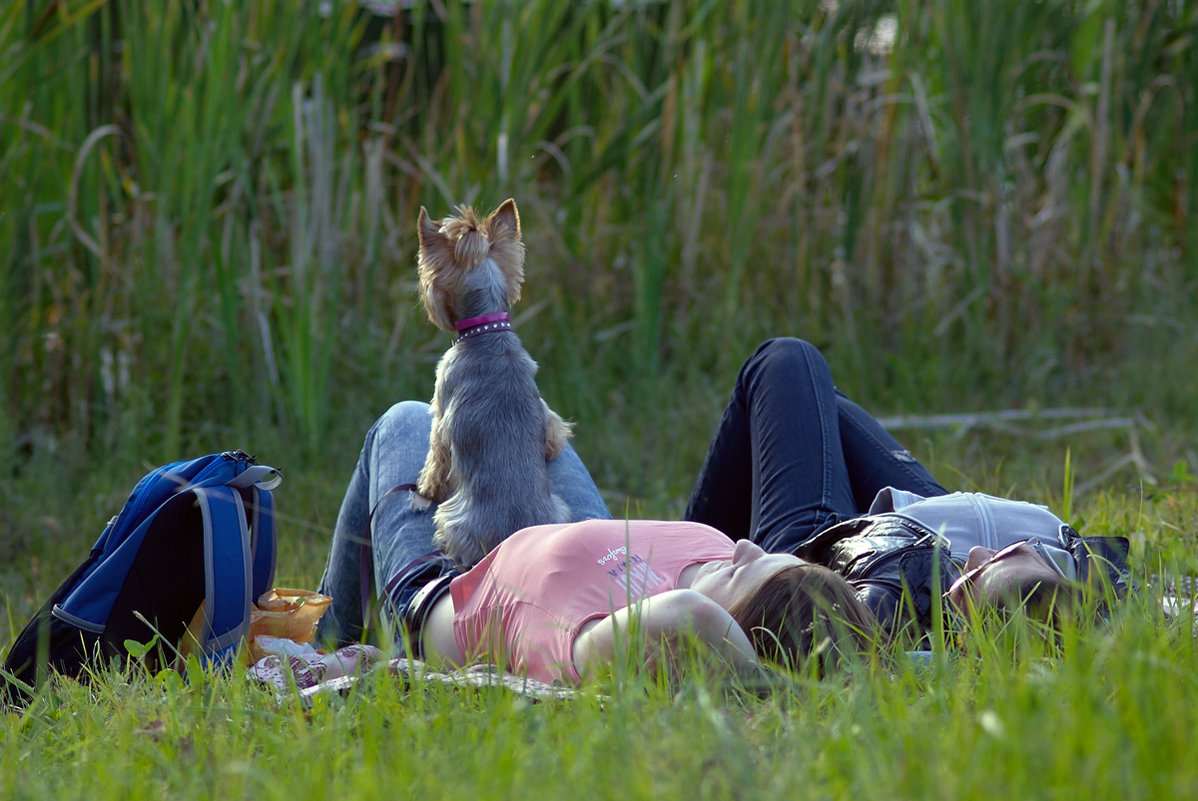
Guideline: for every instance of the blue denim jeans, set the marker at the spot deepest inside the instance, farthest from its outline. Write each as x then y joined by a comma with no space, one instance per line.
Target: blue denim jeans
793,455
401,537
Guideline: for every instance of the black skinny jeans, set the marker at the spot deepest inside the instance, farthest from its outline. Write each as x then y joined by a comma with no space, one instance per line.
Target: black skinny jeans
793,455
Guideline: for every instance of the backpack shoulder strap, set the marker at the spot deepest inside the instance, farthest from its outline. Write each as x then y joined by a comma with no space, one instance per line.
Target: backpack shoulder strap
262,540
257,481
227,568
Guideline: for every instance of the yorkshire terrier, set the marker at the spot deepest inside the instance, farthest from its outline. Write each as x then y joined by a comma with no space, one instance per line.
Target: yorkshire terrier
492,433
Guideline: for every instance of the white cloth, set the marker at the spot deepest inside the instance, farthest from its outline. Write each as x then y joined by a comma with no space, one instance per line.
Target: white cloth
308,669
966,519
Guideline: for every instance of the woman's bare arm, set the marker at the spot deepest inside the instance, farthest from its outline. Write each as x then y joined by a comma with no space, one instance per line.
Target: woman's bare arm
663,623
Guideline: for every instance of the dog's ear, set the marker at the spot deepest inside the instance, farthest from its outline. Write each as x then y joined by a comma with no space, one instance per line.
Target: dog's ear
436,303
429,232
503,229
436,256
505,221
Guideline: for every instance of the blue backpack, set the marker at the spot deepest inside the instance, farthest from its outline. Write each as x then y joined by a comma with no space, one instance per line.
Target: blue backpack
192,533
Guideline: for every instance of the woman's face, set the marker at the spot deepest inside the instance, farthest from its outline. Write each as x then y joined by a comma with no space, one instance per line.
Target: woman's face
991,577
727,581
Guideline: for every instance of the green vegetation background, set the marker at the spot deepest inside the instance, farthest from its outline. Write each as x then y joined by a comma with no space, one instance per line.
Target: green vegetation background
207,241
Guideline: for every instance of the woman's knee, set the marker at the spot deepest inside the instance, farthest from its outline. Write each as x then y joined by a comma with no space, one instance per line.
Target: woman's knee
406,420
407,413
790,357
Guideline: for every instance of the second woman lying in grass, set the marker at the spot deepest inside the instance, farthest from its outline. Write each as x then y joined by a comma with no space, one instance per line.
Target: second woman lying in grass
561,602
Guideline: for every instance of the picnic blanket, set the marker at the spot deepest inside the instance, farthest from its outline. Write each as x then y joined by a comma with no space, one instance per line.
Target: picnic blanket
309,673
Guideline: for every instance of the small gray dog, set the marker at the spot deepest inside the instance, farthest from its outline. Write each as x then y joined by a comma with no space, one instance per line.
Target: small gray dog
492,432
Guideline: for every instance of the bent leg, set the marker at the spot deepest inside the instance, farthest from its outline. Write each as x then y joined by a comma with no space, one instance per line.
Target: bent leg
876,460
775,471
392,454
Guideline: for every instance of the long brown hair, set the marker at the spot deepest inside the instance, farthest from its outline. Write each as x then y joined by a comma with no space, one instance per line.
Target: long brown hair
805,611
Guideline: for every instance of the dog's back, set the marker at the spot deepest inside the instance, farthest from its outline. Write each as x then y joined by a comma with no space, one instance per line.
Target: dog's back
497,442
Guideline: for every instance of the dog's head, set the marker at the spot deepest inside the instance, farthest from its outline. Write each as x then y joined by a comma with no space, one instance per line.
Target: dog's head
467,265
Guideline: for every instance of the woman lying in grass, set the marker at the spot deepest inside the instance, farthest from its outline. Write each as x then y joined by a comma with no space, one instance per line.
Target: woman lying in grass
797,467
560,601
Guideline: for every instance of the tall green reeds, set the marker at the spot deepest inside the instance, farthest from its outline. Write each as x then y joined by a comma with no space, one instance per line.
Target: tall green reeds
208,208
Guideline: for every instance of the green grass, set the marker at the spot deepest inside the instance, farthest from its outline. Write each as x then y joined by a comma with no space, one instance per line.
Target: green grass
1108,717
207,241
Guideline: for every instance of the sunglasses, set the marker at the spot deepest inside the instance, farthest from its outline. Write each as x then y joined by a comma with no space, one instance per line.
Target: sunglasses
1060,560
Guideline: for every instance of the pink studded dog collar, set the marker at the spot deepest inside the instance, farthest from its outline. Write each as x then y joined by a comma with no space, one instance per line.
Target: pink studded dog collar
473,326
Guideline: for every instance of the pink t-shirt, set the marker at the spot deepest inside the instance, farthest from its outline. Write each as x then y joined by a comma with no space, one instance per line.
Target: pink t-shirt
543,583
